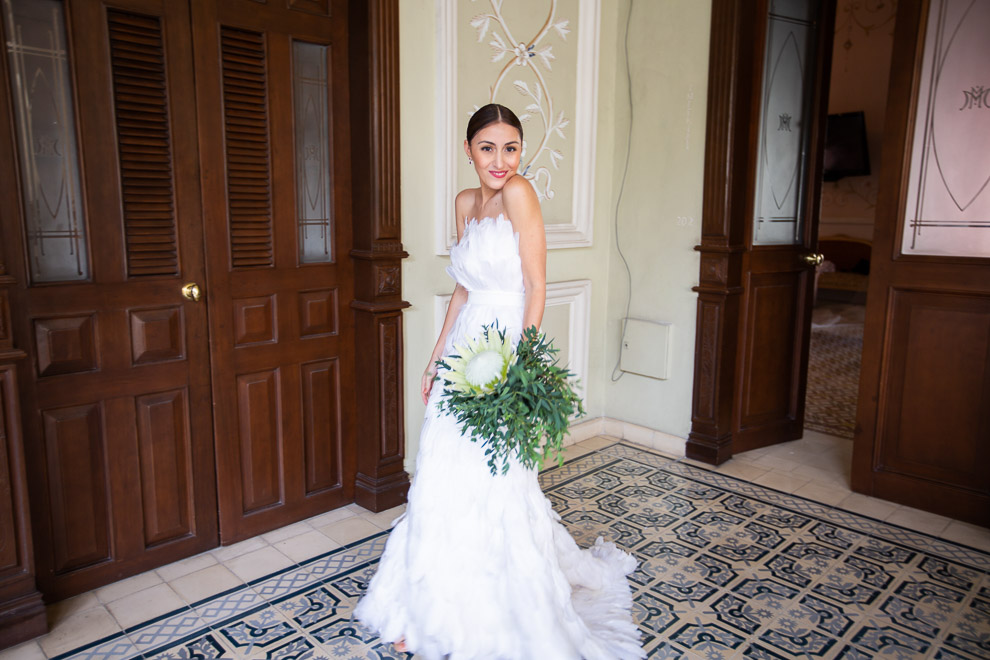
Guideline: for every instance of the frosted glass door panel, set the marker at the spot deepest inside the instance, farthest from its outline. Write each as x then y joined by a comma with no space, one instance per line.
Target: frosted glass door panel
313,191
779,212
948,209
46,139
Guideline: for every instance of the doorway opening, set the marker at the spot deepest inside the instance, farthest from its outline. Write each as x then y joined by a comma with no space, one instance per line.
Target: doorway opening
860,69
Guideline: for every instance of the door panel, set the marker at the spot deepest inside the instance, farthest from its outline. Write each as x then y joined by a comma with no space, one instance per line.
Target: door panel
939,357
164,450
321,423
156,334
75,449
769,352
259,440
272,83
924,398
116,387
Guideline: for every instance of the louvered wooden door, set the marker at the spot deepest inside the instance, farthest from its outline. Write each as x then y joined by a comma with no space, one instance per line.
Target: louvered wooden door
101,208
272,91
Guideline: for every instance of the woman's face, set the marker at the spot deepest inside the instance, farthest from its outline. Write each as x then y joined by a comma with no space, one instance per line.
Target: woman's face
496,150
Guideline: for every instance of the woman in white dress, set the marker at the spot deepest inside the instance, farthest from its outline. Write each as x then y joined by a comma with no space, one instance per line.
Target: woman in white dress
479,566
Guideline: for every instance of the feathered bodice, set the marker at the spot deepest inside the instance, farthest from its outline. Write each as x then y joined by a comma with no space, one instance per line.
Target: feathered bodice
487,257
486,262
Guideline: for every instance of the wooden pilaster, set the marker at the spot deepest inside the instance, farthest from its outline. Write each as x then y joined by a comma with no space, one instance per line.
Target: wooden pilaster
722,241
22,613
381,479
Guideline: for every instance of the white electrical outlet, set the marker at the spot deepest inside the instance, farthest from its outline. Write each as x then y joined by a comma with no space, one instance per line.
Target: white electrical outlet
645,348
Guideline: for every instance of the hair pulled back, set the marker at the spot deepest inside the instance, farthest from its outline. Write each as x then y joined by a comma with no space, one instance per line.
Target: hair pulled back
493,113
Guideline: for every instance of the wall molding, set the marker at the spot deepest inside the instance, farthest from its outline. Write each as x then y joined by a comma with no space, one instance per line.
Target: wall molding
447,148
578,232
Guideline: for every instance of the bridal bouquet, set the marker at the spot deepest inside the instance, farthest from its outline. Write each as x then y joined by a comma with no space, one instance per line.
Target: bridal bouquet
517,402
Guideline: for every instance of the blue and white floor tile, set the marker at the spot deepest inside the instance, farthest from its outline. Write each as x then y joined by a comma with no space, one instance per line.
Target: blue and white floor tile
728,569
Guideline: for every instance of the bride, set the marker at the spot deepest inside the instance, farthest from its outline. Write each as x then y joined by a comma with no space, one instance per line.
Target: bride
479,566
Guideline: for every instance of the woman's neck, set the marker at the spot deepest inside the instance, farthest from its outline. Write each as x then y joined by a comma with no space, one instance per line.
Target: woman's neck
491,203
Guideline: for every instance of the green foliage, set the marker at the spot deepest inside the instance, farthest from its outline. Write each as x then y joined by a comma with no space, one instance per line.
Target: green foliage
527,414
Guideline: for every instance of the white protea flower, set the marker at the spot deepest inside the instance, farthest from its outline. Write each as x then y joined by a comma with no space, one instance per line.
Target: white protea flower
478,367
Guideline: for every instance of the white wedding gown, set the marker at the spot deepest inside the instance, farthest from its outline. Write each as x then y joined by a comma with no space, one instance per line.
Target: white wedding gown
479,566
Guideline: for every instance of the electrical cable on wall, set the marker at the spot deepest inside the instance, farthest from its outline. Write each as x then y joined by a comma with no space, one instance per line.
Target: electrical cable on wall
622,187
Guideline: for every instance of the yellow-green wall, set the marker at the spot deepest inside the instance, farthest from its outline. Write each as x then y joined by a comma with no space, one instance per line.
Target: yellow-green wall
668,46
659,216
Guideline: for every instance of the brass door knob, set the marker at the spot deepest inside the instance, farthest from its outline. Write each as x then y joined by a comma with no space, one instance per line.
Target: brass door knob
191,292
814,259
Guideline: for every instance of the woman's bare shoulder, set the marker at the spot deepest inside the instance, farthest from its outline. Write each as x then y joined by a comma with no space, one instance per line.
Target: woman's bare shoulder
464,203
520,201
518,188
465,200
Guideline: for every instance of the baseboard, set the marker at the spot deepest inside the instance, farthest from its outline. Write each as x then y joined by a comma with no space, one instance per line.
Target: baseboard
615,428
584,430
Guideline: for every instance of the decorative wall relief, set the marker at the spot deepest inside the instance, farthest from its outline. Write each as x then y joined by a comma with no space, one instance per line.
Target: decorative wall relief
948,209
850,204
536,92
857,20
541,60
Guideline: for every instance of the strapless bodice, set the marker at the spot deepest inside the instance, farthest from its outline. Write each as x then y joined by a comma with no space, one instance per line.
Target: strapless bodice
487,257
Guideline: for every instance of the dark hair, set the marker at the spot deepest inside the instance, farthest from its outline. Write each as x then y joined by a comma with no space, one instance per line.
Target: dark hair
493,113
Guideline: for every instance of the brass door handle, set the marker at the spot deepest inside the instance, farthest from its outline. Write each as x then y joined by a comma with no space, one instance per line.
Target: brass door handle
191,292
814,259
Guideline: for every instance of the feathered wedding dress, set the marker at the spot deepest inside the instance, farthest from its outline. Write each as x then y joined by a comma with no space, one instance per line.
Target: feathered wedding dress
480,566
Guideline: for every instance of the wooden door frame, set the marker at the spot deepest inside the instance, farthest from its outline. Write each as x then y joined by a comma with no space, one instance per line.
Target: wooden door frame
734,65
382,481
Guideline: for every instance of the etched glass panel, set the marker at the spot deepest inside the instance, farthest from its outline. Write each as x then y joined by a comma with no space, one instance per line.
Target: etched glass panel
46,139
779,212
948,203
313,192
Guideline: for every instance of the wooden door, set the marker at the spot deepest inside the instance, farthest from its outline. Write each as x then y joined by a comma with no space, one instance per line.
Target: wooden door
782,229
924,398
101,214
272,83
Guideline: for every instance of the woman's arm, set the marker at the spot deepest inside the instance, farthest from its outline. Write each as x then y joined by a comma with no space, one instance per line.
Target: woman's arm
457,300
523,209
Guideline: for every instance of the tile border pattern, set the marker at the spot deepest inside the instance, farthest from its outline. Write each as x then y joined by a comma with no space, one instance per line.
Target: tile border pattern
801,550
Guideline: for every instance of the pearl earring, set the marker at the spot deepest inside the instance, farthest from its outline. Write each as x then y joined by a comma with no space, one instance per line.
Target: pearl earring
470,162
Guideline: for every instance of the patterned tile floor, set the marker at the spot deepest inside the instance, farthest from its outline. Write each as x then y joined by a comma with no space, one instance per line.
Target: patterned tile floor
834,362
729,568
